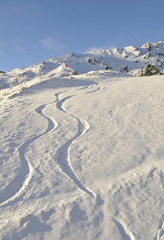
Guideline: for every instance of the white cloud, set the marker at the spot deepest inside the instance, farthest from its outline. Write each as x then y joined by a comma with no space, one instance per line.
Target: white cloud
20,49
95,49
52,44
48,42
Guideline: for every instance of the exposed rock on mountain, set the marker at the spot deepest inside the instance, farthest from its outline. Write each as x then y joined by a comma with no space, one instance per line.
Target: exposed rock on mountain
128,60
149,70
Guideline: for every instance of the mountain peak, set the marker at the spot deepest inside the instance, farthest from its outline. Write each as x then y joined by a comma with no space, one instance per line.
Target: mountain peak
128,60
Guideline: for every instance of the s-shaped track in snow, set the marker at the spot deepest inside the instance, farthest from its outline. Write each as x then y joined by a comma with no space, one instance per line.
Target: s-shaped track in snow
15,189
63,156
26,170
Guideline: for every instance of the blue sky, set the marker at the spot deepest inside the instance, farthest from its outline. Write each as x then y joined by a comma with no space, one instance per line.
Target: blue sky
35,30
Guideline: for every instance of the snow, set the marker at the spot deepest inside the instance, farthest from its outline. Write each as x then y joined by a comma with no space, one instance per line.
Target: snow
81,156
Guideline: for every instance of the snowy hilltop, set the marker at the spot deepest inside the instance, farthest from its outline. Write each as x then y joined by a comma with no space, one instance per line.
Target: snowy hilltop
82,147
144,60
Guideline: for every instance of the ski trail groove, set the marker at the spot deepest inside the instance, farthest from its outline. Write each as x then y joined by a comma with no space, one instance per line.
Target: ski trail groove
160,233
19,183
14,189
125,233
62,156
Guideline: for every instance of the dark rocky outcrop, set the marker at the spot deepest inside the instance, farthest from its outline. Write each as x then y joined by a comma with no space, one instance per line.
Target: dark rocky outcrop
108,68
2,72
124,69
74,73
90,61
149,70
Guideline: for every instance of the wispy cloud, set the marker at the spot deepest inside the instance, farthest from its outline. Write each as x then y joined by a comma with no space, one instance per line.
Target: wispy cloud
10,11
7,13
48,42
2,42
52,44
19,48
95,49
3,53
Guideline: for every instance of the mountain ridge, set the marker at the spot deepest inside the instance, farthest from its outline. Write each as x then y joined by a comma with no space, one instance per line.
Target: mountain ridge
129,60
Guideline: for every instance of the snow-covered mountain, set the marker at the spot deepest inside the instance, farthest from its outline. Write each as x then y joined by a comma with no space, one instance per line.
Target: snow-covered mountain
82,147
129,60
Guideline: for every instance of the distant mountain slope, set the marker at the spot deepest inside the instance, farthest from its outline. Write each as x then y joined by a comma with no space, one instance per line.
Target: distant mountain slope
129,60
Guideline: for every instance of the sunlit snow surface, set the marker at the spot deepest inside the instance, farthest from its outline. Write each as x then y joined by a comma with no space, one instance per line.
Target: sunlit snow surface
82,158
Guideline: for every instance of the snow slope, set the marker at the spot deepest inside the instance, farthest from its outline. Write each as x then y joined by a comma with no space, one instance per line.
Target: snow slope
81,156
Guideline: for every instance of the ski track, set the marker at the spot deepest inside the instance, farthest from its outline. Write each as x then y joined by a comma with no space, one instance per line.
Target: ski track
125,233
160,233
62,156
19,183
22,179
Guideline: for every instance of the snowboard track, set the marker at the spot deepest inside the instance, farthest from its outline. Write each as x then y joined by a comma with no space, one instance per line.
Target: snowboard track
14,189
63,153
62,156
125,233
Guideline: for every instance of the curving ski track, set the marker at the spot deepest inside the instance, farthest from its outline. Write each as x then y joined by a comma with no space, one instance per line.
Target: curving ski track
125,233
62,156
19,183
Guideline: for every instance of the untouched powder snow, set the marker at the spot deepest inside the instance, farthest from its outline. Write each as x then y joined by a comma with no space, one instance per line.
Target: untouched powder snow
82,155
